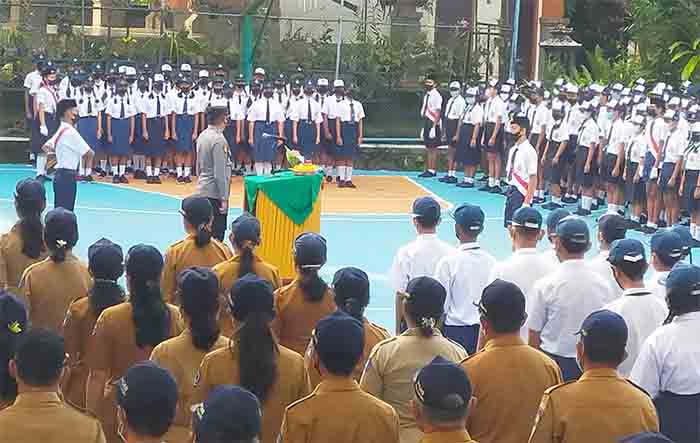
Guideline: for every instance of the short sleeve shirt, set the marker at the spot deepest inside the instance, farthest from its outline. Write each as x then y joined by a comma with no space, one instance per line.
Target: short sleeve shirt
474,114
258,112
350,110
589,134
300,110
114,107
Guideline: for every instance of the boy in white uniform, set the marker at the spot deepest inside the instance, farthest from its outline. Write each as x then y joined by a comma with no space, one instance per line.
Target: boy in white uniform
456,106
521,170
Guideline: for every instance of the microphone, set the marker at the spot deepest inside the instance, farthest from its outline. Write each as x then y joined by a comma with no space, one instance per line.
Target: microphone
276,137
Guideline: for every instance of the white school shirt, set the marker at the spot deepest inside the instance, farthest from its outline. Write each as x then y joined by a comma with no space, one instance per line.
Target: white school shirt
670,358
589,133
539,116
655,134
240,99
215,100
464,274
522,163
48,97
149,105
177,100
692,157
495,108
644,313
418,258
89,100
289,105
474,115
345,113
280,97
456,106
675,146
236,108
524,268
330,106
574,119
562,300
431,105
139,98
69,147
32,82
601,266
636,148
605,120
618,135
258,111
300,110
114,107
202,99
557,131
657,283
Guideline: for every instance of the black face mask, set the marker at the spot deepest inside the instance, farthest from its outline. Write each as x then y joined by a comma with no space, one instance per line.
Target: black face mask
268,94
228,93
121,90
651,112
296,91
203,83
323,90
218,91
143,88
255,91
166,75
695,137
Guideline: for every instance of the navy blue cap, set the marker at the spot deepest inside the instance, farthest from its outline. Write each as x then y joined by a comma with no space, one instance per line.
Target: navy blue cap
667,245
13,314
469,217
443,385
147,388
527,217
198,280
106,260
426,295
30,189
48,68
246,227
573,230
146,260
646,437
308,85
627,250
688,241
215,415
604,329
249,294
426,208
351,282
310,251
197,210
612,227
60,228
502,300
339,340
555,217
684,278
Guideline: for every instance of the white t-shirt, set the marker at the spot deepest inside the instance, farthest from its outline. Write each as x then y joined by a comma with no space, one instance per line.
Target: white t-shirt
69,147
522,163
350,110
258,112
300,110
418,258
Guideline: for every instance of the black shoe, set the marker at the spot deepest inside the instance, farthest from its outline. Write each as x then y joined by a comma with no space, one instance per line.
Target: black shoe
594,206
496,190
551,206
341,184
188,179
426,174
129,169
483,178
329,179
485,188
124,180
537,200
569,200
116,180
350,184
648,229
662,224
149,180
88,179
600,201
103,174
684,222
79,178
451,180
156,180
582,212
643,219
465,185
444,178
634,225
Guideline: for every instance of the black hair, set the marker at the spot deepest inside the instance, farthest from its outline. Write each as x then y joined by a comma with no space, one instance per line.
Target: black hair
352,304
506,324
667,261
31,228
150,314
457,410
605,353
39,357
202,308
104,294
8,347
679,303
149,421
214,113
575,248
215,436
58,251
312,285
634,271
427,222
247,258
528,233
425,321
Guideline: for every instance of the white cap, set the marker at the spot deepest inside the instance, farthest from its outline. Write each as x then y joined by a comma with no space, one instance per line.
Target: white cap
186,68
638,119
669,114
675,101
695,127
158,78
626,91
203,73
322,82
617,87
339,83
259,71
557,105
455,85
130,70
166,67
511,82
640,81
570,88
612,104
626,101
559,82
642,107
595,87
122,69
639,88
547,95
472,91
506,88
493,82
684,102
595,102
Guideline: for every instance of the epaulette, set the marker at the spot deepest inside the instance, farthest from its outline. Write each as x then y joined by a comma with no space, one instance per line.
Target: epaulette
637,386
302,400
560,385
380,344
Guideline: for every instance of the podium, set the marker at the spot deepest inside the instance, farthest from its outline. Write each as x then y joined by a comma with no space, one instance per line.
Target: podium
287,205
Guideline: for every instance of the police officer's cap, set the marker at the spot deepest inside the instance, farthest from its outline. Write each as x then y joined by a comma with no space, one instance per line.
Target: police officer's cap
197,280
426,208
246,227
686,237
612,227
604,329
197,209
426,295
30,189
339,340
249,294
573,230
685,279
627,250
147,387
638,119
443,386
528,218
472,92
214,416
106,260
351,281
61,225
646,437
667,245
470,217
502,300
555,217
310,250
13,314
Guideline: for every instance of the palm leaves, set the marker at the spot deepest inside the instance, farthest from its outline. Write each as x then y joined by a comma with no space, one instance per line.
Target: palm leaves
690,52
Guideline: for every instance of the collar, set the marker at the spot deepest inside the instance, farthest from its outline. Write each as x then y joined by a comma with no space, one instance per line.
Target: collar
416,332
526,251
337,384
469,246
32,399
635,292
604,254
427,237
458,436
599,373
575,263
504,341
661,276
214,128
690,316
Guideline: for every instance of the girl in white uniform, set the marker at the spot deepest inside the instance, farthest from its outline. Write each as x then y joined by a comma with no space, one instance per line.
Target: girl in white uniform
690,184
121,111
468,150
671,165
90,124
634,184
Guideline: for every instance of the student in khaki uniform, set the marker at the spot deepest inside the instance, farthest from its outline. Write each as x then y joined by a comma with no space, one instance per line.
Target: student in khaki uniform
147,400
302,303
198,292
106,265
198,249
50,286
14,322
506,365
38,414
127,333
394,362
253,359
338,410
601,406
211,420
23,245
351,288
442,401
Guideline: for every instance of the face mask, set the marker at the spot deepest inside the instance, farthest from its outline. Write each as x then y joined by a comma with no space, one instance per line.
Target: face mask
228,93
143,88
471,100
157,87
218,91
74,83
296,91
323,90
504,97
427,88
349,94
131,80
308,93
454,93
203,83
572,100
557,115
651,112
166,75
255,91
268,94
339,93
121,90
695,137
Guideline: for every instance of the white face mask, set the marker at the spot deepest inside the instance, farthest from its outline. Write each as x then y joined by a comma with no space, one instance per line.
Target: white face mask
454,93
471,100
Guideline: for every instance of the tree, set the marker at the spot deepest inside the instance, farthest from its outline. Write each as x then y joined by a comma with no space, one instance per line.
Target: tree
593,29
689,52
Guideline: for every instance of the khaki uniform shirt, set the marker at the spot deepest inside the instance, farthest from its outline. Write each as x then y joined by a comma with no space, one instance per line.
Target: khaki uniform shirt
185,254
338,411
447,437
182,359
392,366
296,318
227,272
77,328
373,335
43,417
51,287
12,261
506,366
221,367
600,407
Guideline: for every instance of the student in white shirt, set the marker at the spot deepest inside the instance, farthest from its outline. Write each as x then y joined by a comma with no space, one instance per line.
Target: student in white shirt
563,299
155,127
266,116
306,120
350,134
32,81
184,127
666,251
464,274
45,116
70,149
138,157
521,170
236,129
557,139
614,158
121,112
588,140
526,266
552,221
418,258
201,92
90,124
431,114
468,149
329,108
611,227
655,135
671,166
635,192
690,184
492,140
539,115
454,112
668,366
642,310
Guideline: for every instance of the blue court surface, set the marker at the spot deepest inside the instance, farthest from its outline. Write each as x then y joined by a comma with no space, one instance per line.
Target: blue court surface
129,216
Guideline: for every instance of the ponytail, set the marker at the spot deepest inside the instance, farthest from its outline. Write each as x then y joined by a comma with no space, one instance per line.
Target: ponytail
58,252
247,260
104,294
150,314
427,326
31,231
258,355
200,303
353,307
312,285
203,236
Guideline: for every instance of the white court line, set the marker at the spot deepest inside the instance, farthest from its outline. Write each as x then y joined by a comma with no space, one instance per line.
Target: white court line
449,204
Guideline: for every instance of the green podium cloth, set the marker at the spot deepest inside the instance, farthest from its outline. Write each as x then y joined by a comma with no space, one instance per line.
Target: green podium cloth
295,195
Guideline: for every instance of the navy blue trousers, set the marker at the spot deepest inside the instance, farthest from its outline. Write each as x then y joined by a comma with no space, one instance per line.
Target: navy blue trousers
64,189
569,368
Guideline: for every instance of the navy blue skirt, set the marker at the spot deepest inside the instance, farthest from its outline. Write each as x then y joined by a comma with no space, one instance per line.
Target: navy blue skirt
87,127
139,146
664,177
306,132
451,128
264,149
691,180
349,133
288,128
184,127
634,192
120,138
155,146
467,154
329,146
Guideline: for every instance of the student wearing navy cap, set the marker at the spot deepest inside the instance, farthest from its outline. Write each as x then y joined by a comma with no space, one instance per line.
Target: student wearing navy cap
666,251
601,406
442,402
306,120
506,365
667,364
14,322
642,310
212,423
611,227
553,219
465,274
564,298
338,403
521,170
688,241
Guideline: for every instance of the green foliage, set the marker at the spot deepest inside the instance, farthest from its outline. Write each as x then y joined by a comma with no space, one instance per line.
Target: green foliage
689,54
593,29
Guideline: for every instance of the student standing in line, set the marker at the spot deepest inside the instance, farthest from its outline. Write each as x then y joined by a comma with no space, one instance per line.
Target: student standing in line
431,133
655,134
635,192
350,135
238,111
155,127
468,149
611,227
615,156
265,124
90,125
666,251
538,115
32,82
521,170
323,97
690,184
120,112
184,129
139,147
557,137
45,116
588,139
456,107
492,141
306,118
671,166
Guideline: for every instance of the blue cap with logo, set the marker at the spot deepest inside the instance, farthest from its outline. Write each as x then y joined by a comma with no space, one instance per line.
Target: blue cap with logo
214,416
527,217
684,278
555,217
469,217
604,329
443,385
573,230
667,245
688,241
627,250
426,208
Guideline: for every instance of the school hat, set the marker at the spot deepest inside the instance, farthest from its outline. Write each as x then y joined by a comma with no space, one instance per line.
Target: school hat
472,92
626,250
426,208
612,227
130,71
686,237
259,71
147,388
671,115
555,217
30,189
249,294
667,245
570,88
638,119
443,386
469,217
646,437
158,78
604,329
308,86
322,82
684,279
527,217
166,68
674,101
502,300
215,415
455,85
352,282
185,68
60,228
48,68
426,295
198,280
106,260
203,73
573,230
618,87
197,210
13,314
246,227
339,341
310,251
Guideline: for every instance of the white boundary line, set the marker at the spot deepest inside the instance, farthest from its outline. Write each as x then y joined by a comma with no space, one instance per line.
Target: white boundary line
441,200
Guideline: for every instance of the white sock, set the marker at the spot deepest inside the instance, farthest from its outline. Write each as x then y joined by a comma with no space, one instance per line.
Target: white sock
469,179
556,199
432,171
115,170
492,182
259,169
348,173
662,215
634,218
156,172
81,171
341,173
88,171
149,171
41,164
452,173
122,169
188,171
586,202
179,171
652,225
103,165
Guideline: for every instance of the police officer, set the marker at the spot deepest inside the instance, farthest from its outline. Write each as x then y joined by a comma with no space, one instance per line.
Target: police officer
198,249
13,313
506,365
39,413
338,344
521,169
464,274
642,310
23,245
666,366
564,298
394,362
211,419
253,359
601,406
442,403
